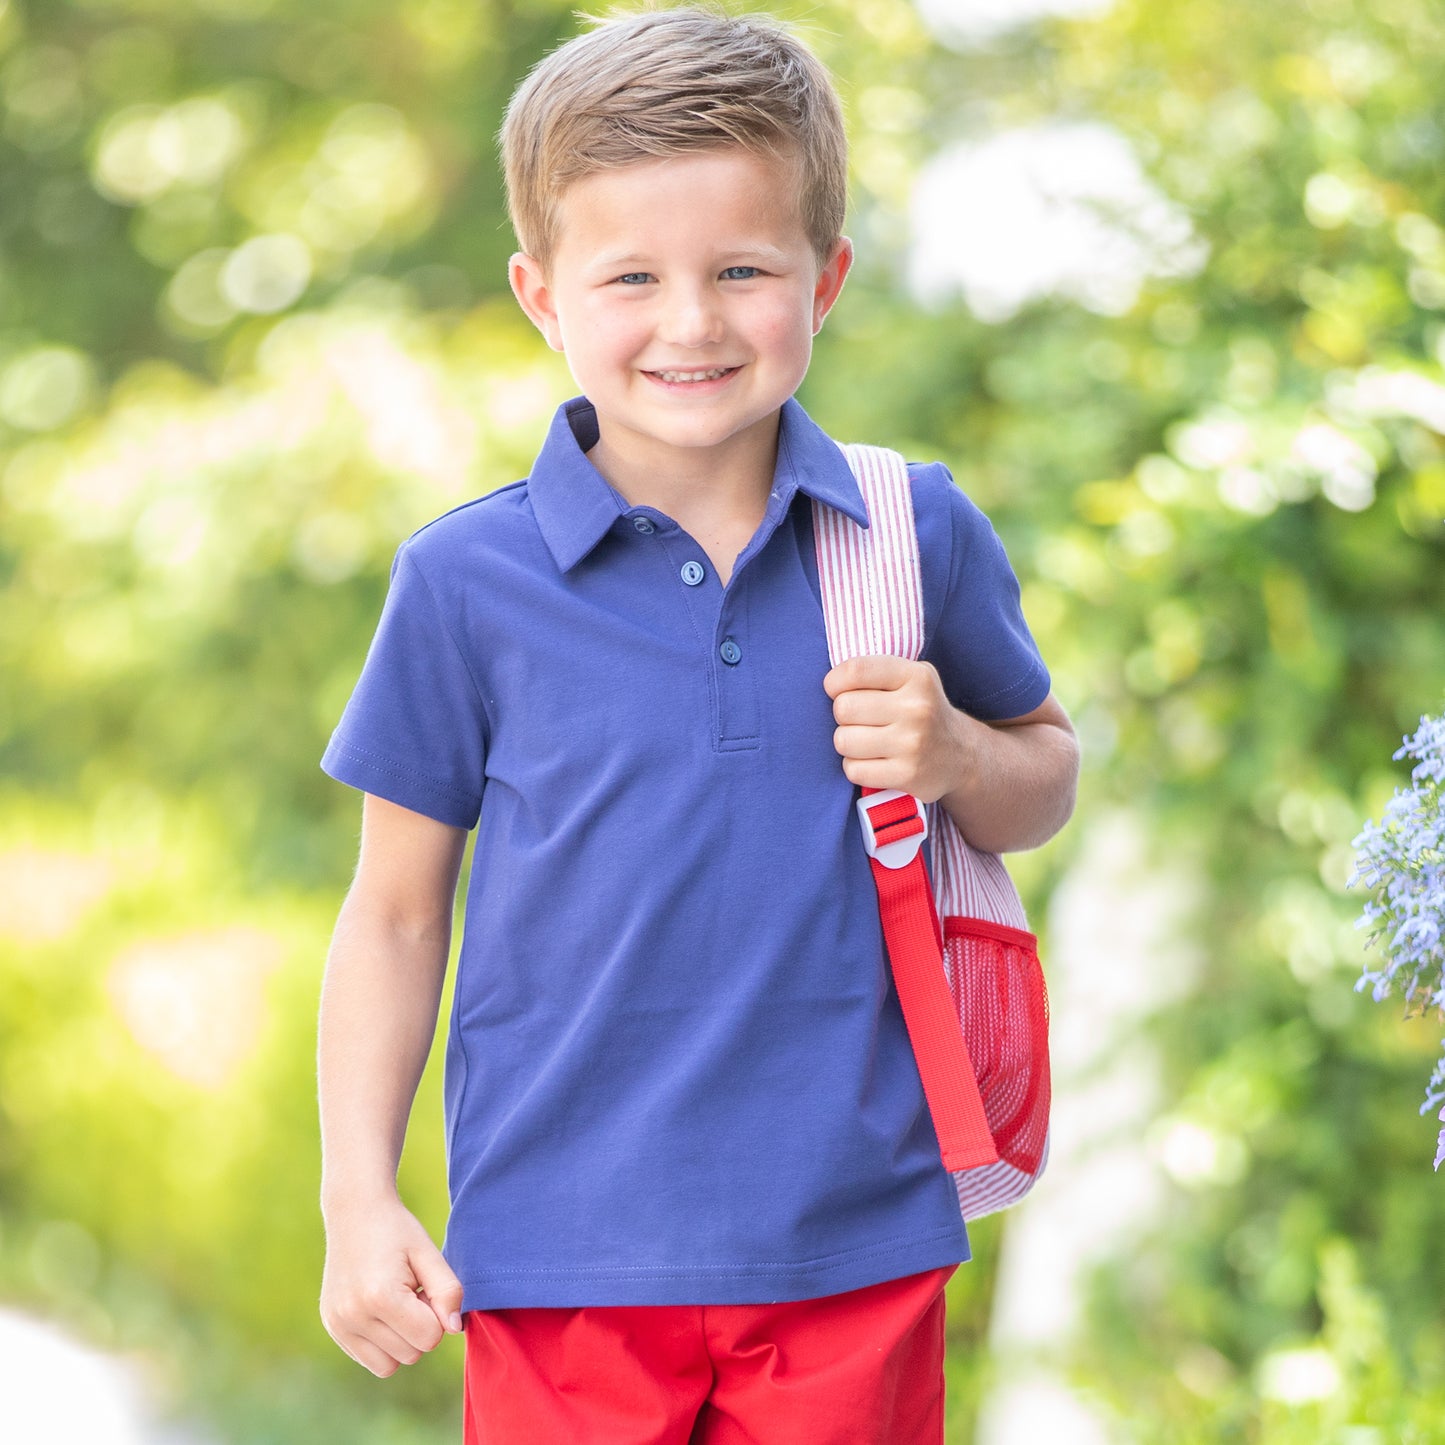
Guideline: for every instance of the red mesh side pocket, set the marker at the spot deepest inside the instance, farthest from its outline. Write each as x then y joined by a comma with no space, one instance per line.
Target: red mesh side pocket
998,990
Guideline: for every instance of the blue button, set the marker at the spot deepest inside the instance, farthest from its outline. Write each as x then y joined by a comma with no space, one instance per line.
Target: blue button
692,573
731,652
643,524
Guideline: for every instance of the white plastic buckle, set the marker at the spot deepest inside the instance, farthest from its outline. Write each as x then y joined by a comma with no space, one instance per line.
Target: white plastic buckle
891,855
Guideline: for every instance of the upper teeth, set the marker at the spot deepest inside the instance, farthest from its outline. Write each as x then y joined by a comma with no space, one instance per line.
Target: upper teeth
694,375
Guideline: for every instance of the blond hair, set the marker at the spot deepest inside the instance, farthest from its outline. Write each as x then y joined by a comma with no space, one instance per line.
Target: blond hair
666,82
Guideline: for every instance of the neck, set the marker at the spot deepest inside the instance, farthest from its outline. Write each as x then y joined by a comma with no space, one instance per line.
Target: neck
729,481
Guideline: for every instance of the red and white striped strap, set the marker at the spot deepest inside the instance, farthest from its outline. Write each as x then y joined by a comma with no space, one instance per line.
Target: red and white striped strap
871,579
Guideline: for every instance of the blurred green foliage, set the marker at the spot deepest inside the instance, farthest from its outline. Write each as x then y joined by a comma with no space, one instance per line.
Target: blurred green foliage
254,328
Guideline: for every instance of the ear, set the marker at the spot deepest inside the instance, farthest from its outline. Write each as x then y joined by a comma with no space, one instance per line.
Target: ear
830,281
534,295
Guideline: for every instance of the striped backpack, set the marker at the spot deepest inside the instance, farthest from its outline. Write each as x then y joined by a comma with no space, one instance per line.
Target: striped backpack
966,967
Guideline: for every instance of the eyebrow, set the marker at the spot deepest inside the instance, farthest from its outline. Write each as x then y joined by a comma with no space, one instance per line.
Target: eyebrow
774,254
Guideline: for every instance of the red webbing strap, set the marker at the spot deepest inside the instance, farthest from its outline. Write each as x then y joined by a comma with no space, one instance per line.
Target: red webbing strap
915,950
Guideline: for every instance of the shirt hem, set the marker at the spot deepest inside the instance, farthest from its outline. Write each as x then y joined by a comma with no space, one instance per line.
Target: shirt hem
1034,689
575,1286
403,786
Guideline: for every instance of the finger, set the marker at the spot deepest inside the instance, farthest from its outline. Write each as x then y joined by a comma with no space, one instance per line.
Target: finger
395,1314
393,1347
372,1359
877,670
365,1346
414,1321
868,708
874,773
861,743
441,1289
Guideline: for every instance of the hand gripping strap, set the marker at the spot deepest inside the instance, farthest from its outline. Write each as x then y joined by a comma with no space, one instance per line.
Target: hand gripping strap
873,605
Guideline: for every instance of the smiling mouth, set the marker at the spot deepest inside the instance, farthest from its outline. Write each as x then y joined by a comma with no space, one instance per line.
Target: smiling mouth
675,377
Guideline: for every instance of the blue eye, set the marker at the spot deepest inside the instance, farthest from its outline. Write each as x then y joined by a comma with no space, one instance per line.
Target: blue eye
633,276
753,269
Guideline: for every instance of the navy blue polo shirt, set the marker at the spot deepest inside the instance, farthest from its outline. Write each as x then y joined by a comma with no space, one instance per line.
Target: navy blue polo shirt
676,1069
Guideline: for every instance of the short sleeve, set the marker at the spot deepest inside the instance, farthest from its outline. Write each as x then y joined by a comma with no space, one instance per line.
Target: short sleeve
414,730
977,637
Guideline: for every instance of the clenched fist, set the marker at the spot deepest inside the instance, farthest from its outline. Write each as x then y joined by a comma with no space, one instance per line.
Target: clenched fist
896,728
387,1293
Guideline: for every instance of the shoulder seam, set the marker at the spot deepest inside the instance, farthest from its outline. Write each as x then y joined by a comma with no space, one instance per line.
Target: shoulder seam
470,502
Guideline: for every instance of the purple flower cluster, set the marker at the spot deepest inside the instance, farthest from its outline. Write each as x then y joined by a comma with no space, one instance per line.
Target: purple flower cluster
1403,858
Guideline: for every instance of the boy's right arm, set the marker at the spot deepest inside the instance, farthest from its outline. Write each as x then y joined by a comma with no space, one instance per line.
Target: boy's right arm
379,1002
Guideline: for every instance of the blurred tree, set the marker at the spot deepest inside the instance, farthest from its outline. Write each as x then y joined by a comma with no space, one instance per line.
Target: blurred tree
256,329
1229,501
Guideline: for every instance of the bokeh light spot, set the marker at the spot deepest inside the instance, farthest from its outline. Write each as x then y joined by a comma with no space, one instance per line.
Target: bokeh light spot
196,1002
266,273
43,388
45,893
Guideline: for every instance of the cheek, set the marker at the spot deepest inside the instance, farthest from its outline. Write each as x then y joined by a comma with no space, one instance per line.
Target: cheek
784,327
598,331
613,330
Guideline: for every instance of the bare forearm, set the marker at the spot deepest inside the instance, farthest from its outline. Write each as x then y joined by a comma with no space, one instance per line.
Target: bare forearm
1016,784
379,1002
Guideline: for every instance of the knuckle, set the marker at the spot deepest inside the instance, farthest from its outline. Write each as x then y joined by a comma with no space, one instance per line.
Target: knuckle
370,1301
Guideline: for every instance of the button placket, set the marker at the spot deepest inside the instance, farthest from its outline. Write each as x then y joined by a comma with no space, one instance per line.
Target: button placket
736,679
720,616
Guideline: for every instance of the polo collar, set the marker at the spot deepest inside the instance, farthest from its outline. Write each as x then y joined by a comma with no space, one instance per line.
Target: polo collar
575,505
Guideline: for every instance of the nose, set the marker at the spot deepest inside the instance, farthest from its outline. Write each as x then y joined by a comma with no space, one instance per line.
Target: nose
691,317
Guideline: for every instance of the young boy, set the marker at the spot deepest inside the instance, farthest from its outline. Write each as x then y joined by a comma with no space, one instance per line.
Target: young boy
696,1194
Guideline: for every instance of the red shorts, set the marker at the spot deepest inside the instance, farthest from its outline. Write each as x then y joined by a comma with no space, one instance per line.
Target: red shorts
860,1368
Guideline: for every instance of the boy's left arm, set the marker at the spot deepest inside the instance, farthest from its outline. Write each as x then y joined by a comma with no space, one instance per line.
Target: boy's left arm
1008,784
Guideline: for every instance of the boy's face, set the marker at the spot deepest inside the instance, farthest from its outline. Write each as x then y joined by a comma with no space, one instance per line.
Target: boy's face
670,268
